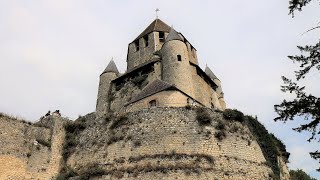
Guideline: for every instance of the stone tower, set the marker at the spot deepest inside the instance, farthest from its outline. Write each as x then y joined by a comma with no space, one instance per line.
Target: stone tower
175,63
159,57
150,40
110,73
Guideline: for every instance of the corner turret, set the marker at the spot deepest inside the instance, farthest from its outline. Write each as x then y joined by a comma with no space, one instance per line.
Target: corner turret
175,63
112,67
110,73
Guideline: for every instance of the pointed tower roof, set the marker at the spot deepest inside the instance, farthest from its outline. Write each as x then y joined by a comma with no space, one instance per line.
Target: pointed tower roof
210,73
173,35
111,67
156,25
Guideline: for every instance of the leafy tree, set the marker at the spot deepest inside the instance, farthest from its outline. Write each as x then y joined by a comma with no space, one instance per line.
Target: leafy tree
297,5
304,105
299,174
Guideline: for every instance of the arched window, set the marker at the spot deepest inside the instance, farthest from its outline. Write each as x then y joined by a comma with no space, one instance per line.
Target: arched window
153,103
179,57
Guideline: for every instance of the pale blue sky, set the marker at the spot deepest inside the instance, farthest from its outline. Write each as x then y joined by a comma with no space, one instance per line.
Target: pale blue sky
53,51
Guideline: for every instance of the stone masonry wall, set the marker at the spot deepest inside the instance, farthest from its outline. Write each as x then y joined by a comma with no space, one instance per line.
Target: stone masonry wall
169,143
203,92
121,95
136,57
163,99
30,151
144,54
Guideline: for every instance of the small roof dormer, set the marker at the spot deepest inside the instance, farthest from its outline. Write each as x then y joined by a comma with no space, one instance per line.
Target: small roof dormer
111,68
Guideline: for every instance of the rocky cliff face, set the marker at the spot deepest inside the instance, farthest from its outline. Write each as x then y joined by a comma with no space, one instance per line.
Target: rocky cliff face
156,143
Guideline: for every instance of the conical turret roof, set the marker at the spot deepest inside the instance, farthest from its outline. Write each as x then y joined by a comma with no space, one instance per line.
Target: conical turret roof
111,68
173,35
156,25
210,73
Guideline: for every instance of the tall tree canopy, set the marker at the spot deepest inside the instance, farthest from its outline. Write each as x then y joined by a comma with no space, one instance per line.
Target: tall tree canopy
299,174
297,5
304,105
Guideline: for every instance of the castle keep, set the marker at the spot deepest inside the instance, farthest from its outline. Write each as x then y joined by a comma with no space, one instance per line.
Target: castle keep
163,71
164,118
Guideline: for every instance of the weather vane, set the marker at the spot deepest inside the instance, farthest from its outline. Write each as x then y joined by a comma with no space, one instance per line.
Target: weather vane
157,12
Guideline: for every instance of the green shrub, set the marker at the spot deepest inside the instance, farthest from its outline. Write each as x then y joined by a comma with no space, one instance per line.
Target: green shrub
91,171
72,130
203,117
115,138
220,135
120,121
271,146
299,174
233,114
75,127
138,80
66,173
220,125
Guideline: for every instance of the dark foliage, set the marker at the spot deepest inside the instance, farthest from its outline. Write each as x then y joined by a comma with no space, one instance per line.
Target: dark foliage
92,170
270,145
233,114
203,117
120,121
220,135
138,80
173,155
66,173
304,105
297,5
115,138
72,130
220,125
75,127
299,174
